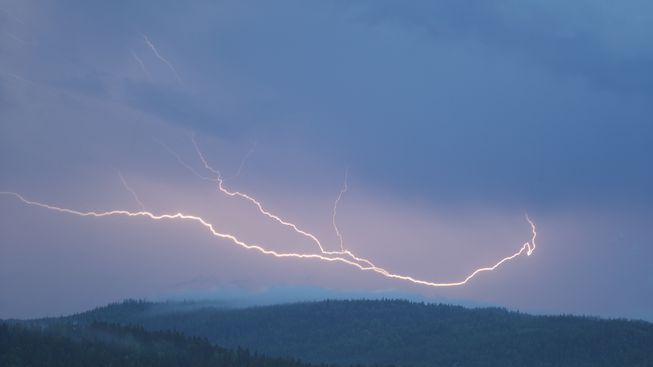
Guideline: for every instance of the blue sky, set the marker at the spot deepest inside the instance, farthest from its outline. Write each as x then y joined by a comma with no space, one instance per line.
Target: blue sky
452,118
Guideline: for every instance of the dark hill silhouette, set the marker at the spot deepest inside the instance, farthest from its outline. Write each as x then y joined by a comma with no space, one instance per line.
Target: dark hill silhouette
109,345
397,332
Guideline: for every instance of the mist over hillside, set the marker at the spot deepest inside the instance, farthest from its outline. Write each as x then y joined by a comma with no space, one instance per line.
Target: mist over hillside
396,332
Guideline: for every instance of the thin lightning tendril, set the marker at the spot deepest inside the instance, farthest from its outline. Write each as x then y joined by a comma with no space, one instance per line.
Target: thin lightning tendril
220,184
163,59
142,65
528,246
242,163
131,191
183,163
344,251
344,255
335,212
219,181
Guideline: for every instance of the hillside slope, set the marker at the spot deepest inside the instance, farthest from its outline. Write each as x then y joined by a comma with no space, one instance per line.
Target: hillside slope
399,332
100,344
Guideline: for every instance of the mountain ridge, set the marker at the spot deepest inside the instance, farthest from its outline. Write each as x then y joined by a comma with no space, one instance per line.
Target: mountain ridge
395,332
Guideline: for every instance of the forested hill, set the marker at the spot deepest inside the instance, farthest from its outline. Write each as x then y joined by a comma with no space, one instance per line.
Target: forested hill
399,332
109,345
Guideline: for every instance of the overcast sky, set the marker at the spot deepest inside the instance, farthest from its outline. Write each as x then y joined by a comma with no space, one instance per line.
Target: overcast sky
452,118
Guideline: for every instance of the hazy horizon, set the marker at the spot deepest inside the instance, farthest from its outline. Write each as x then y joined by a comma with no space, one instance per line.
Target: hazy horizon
238,298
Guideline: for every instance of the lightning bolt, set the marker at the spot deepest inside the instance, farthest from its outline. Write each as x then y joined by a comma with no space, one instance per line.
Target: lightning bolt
163,59
142,65
531,244
335,212
183,163
242,163
131,191
528,247
220,184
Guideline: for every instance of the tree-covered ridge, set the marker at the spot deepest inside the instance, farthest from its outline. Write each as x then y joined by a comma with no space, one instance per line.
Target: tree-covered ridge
101,344
399,332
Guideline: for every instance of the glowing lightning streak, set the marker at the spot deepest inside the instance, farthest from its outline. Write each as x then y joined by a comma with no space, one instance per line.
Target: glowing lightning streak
163,59
217,173
528,246
370,266
242,163
335,212
344,251
183,163
131,191
531,246
142,65
220,182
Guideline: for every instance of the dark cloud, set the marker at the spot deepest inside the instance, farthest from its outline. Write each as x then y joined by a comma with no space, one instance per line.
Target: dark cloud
179,107
493,93
573,43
